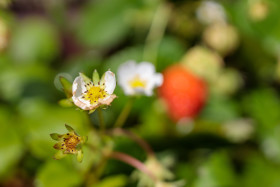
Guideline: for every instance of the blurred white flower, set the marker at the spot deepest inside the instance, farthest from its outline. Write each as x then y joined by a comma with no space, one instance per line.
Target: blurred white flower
138,79
223,38
89,95
200,60
170,184
159,169
239,130
210,12
258,10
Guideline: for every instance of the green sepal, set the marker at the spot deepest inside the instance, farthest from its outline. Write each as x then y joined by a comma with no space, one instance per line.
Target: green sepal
102,80
79,146
84,139
104,106
95,77
85,78
55,136
80,156
66,102
67,86
69,128
91,111
58,145
59,155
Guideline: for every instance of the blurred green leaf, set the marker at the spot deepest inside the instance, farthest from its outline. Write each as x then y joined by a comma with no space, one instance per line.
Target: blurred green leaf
104,23
170,51
265,30
39,119
264,106
217,171
154,121
220,109
58,173
131,53
34,40
11,146
14,78
260,172
113,181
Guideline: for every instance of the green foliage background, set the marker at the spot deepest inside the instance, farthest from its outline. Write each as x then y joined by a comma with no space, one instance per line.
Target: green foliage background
47,39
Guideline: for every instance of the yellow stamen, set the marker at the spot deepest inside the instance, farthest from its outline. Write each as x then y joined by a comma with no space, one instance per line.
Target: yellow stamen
71,142
137,82
94,93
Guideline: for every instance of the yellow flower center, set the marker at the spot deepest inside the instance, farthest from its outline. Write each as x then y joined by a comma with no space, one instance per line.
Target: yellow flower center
137,82
71,142
94,93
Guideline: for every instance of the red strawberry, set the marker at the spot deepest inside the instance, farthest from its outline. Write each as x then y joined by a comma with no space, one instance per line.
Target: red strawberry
184,93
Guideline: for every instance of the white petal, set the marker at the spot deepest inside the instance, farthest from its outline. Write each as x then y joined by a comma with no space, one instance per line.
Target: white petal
81,103
78,86
148,92
158,79
126,67
108,100
110,82
126,72
128,90
139,91
145,70
155,81
210,12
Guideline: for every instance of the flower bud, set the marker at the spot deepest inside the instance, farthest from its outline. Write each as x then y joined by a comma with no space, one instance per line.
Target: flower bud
258,10
200,60
221,37
3,35
69,143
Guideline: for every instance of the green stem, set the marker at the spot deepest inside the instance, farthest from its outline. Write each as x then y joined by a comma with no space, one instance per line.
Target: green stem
156,32
101,121
124,114
95,172
89,122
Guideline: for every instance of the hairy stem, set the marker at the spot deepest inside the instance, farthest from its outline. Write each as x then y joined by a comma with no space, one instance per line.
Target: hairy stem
133,162
141,142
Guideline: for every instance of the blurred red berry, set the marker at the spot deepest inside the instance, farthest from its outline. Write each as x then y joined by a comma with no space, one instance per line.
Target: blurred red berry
184,93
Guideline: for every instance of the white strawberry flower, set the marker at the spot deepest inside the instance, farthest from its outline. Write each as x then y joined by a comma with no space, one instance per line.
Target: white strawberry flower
138,79
211,12
90,94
